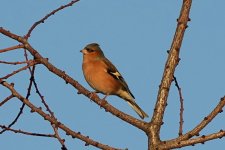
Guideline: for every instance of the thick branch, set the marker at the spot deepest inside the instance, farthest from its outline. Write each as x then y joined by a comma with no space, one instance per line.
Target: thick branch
172,61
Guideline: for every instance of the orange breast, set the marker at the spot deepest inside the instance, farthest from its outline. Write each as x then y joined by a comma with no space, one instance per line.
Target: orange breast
99,79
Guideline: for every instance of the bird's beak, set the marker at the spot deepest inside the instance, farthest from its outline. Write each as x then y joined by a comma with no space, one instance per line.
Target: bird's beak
84,51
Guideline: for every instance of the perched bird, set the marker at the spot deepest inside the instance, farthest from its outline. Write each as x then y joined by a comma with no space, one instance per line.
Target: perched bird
103,76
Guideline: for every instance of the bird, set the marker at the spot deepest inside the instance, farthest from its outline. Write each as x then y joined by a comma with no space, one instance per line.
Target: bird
104,77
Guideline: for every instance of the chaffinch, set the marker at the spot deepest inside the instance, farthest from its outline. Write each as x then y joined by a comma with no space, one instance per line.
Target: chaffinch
103,76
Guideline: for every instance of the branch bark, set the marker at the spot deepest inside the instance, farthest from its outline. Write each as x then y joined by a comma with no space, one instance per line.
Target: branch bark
52,120
104,104
169,69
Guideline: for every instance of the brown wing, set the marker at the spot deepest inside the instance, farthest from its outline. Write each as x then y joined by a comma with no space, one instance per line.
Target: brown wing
116,75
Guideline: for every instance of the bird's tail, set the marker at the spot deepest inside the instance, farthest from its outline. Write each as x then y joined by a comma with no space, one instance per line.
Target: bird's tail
137,109
130,99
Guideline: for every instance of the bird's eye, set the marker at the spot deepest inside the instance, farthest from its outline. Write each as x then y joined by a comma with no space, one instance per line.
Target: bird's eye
89,50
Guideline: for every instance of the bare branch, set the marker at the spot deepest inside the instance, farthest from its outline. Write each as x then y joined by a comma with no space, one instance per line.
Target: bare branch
23,105
6,100
12,48
169,69
25,132
202,139
199,127
31,63
104,104
15,63
181,107
61,141
54,121
47,16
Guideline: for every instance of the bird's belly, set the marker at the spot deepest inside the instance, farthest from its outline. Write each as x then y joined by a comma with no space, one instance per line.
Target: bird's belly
102,82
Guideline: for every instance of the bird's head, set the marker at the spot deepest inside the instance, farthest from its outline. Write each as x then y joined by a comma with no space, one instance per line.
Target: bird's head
92,51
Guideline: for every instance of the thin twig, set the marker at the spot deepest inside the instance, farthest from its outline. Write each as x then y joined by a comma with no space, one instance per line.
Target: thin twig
55,128
201,139
61,141
15,63
181,107
25,132
6,100
52,120
23,105
47,16
195,131
12,48
42,99
32,63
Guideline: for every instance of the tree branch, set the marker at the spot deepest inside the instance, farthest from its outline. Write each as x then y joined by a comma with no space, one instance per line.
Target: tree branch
52,120
31,63
47,16
15,63
172,61
25,132
193,141
181,107
6,100
11,48
200,126
109,108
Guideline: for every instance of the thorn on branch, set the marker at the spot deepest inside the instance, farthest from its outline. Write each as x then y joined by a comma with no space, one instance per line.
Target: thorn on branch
189,136
177,48
166,104
12,84
73,137
167,66
206,118
197,134
32,110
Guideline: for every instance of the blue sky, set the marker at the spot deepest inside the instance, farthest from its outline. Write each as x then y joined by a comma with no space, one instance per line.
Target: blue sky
135,36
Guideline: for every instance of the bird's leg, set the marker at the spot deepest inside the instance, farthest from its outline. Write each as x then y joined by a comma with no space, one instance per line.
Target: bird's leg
105,97
103,102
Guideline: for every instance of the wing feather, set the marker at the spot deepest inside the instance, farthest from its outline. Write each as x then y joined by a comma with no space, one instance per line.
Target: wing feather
112,70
